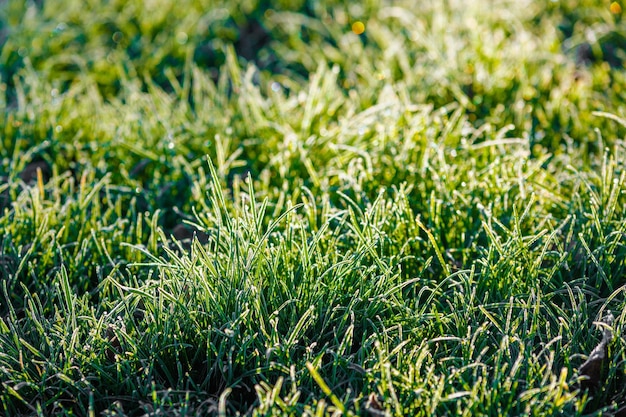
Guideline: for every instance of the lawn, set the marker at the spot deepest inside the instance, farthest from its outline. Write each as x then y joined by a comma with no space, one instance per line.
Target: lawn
271,207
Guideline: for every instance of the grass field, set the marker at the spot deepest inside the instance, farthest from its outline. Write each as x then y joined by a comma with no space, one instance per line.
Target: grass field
270,207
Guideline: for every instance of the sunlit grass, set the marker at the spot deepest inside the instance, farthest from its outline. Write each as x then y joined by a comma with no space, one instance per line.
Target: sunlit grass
318,208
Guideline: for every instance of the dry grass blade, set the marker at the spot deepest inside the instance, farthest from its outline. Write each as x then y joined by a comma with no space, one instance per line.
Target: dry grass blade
594,368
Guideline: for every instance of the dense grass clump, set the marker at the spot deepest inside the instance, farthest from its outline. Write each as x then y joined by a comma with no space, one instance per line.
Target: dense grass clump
312,208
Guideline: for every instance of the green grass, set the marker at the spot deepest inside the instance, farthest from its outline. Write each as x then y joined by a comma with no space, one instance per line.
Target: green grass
425,219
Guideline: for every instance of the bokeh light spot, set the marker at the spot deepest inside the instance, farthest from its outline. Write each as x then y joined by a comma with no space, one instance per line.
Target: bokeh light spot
615,8
358,27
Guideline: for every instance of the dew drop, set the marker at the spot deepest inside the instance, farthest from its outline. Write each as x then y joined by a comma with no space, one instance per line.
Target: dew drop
117,37
60,28
182,38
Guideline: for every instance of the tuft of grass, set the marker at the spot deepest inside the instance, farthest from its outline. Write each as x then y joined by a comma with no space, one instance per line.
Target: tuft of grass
252,208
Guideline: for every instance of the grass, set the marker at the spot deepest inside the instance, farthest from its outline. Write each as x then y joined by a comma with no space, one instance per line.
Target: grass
247,208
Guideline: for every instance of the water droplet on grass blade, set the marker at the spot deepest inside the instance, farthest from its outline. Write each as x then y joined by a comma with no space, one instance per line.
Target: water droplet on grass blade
182,38
60,28
117,37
